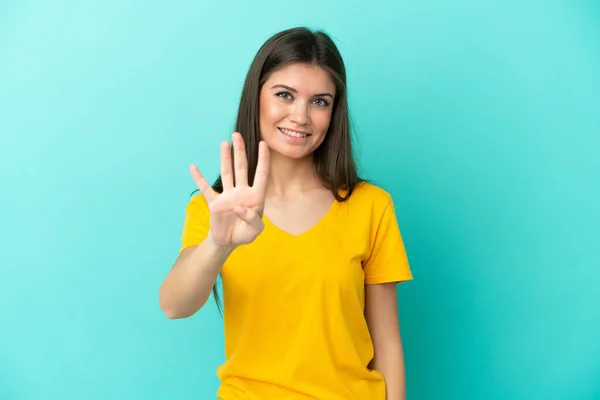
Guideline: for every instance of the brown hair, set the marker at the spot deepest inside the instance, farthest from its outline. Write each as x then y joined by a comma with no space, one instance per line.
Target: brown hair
334,158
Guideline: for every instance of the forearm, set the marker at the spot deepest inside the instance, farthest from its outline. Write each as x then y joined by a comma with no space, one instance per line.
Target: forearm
390,363
189,283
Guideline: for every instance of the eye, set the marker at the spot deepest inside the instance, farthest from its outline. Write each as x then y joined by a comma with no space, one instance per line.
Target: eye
321,102
284,95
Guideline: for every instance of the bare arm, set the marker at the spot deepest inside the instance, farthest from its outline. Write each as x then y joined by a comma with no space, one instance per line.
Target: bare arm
235,219
189,283
381,312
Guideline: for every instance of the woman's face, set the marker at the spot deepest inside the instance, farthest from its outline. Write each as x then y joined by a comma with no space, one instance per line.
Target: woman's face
295,109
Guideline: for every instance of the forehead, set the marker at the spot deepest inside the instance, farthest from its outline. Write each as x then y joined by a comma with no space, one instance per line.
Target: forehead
305,78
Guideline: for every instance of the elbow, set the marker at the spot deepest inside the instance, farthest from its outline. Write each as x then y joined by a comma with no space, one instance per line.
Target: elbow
168,308
171,309
168,311
171,313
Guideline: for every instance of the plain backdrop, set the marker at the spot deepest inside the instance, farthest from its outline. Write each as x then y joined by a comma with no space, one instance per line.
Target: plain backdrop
481,118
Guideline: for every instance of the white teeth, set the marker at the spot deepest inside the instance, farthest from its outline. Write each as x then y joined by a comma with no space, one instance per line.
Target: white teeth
292,133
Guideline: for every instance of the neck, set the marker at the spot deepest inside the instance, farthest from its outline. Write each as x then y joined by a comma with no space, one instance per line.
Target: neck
289,178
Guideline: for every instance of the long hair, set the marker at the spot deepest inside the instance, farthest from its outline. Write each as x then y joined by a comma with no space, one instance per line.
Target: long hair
334,158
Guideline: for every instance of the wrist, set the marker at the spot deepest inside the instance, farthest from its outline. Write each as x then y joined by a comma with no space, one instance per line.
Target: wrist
222,250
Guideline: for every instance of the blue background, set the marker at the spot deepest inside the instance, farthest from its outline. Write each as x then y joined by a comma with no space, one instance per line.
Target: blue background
481,118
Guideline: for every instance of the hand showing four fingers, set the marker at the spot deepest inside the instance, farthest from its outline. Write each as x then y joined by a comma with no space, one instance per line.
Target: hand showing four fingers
236,213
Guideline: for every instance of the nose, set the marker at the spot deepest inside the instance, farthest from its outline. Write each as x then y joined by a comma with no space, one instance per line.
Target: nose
300,114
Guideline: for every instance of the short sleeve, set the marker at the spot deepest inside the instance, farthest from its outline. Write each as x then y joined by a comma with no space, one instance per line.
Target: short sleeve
387,261
197,222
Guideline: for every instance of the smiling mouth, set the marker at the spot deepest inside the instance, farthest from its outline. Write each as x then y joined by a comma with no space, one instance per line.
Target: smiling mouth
291,133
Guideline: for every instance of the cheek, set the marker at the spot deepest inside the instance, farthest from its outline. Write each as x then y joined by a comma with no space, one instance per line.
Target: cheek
321,121
270,113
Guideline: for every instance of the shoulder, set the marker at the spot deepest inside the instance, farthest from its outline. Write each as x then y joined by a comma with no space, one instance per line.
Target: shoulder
366,193
367,202
197,204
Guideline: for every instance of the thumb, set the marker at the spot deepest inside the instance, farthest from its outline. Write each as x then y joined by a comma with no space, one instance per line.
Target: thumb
248,215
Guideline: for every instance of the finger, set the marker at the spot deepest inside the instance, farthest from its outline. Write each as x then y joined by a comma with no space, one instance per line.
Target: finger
240,160
261,176
205,189
248,215
226,169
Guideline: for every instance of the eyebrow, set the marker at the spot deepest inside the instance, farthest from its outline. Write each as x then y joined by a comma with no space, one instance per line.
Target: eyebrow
291,89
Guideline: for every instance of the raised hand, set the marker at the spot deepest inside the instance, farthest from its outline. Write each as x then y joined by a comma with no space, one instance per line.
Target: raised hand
236,213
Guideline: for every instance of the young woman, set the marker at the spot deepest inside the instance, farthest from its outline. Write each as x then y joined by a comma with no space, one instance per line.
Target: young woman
309,254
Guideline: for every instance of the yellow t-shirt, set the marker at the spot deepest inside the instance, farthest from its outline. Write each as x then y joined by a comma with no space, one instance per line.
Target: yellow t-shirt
293,305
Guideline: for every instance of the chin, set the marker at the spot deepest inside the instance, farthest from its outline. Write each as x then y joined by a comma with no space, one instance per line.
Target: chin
292,154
